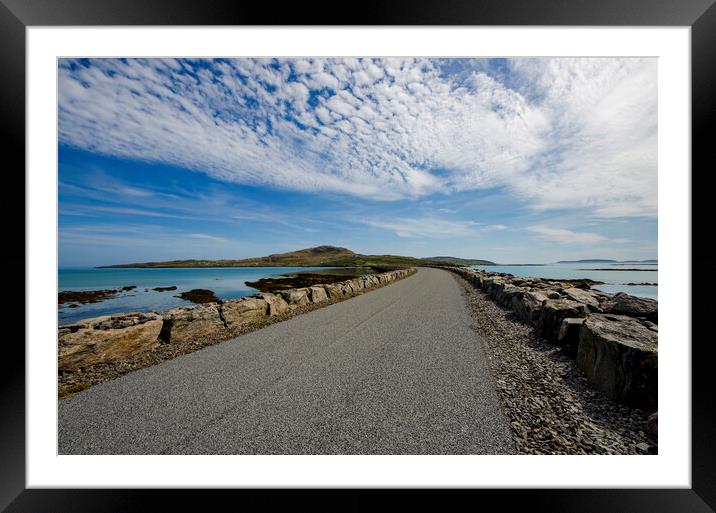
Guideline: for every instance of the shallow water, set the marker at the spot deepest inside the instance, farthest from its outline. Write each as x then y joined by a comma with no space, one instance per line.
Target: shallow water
227,283
615,280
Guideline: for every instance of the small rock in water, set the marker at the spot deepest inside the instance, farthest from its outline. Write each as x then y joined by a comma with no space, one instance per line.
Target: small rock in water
300,280
85,296
164,289
200,296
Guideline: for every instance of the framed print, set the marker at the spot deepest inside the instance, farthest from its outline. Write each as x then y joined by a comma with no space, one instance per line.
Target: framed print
424,247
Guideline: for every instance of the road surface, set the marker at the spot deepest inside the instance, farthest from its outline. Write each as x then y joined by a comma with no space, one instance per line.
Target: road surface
394,371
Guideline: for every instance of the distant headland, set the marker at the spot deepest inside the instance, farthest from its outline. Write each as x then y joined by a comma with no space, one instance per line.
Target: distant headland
320,256
606,261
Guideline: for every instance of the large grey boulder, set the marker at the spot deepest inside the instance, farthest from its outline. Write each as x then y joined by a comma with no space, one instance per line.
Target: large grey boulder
120,321
625,304
107,339
240,313
554,311
528,306
488,284
317,294
188,324
495,288
334,291
618,355
504,293
372,281
276,304
476,279
583,296
295,297
347,288
568,336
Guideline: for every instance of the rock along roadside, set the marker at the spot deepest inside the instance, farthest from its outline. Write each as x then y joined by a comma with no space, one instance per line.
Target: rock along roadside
396,371
614,337
94,350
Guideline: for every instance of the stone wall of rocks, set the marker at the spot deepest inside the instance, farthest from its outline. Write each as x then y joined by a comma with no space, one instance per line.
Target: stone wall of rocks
113,338
613,337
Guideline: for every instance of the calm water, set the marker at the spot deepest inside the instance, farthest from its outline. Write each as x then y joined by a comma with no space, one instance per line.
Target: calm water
615,281
227,283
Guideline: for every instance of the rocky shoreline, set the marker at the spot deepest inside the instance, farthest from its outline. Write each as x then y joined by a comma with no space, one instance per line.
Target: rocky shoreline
300,280
551,407
88,296
99,349
611,339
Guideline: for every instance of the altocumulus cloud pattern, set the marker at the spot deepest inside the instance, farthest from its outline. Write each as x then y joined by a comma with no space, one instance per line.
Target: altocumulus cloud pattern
555,133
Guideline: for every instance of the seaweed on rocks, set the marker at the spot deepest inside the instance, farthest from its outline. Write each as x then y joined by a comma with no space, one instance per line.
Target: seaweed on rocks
579,283
200,296
89,296
85,296
300,280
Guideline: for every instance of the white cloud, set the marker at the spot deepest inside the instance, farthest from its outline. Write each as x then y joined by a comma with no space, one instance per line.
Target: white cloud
124,211
426,227
560,133
564,236
147,239
206,236
602,144
339,106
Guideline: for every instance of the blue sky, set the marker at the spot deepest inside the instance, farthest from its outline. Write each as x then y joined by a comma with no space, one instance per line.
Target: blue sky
512,160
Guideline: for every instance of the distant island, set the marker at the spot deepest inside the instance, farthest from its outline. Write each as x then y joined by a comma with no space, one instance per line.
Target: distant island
613,269
321,256
606,261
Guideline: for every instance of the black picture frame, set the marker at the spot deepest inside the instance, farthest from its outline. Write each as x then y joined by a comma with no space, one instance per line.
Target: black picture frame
17,15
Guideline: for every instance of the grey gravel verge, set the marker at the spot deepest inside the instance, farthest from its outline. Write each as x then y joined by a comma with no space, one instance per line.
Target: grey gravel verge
551,407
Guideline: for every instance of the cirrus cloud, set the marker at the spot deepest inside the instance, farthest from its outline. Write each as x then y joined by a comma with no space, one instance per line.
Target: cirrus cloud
554,133
564,236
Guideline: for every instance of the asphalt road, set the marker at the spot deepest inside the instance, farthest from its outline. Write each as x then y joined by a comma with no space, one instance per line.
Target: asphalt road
395,371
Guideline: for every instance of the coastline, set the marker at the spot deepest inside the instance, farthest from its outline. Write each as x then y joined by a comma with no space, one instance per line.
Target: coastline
157,289
99,349
612,337
551,407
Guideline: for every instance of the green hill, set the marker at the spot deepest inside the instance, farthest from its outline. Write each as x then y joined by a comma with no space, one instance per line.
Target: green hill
458,261
321,256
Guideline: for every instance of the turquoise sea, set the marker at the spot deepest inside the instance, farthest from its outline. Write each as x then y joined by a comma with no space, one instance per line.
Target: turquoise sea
615,280
227,283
